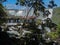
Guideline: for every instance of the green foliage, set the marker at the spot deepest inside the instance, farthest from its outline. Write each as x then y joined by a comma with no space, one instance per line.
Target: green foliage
38,22
22,1
2,20
53,35
56,15
2,14
52,4
56,34
58,29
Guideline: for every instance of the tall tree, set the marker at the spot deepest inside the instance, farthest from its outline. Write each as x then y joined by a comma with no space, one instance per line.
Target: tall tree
51,4
36,4
2,14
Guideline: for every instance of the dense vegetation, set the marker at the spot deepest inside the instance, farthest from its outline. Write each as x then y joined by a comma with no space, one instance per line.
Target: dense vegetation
56,15
2,14
36,38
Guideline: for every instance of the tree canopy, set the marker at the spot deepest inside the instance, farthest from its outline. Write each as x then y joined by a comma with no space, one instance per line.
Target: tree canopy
2,14
37,5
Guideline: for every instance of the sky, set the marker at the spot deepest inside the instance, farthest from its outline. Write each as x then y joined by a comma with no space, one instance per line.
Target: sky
10,4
